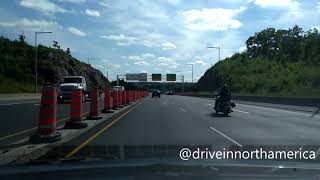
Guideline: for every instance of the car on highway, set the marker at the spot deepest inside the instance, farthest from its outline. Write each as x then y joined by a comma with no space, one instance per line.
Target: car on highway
68,84
155,93
169,93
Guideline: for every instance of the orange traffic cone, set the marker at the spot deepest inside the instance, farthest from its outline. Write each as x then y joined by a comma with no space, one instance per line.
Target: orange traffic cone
120,99
94,105
76,109
47,117
107,102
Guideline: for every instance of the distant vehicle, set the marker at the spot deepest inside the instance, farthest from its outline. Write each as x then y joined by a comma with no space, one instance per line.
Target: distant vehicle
68,83
156,93
118,88
169,93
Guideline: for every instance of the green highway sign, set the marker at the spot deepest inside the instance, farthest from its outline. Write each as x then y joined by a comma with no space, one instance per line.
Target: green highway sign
171,77
156,77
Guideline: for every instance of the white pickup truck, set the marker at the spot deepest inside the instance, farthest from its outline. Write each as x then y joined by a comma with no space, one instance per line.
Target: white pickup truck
66,86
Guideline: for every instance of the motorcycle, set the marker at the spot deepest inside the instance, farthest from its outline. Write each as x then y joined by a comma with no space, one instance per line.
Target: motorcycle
224,106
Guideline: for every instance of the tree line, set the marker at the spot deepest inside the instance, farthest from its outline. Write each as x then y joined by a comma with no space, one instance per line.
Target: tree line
276,62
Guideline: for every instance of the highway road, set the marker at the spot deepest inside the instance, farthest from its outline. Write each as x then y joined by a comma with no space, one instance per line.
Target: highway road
20,116
181,120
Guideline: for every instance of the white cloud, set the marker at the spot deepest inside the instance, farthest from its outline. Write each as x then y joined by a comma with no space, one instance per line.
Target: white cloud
275,3
242,48
144,56
44,6
97,66
318,7
174,2
216,19
148,55
292,6
142,63
104,4
165,61
91,12
74,1
168,45
113,66
122,40
200,62
147,40
76,31
135,58
31,25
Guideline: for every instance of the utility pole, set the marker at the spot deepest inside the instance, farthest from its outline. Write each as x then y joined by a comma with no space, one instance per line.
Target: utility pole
117,80
182,83
216,47
191,71
36,57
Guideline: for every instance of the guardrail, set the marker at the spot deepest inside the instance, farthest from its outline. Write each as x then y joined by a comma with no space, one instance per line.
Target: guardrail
310,102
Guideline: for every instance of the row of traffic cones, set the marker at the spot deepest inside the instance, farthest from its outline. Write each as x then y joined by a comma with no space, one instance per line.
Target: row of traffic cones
47,118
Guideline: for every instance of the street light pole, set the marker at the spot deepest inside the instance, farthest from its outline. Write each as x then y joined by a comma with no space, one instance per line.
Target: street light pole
191,71
216,47
182,81
117,80
36,57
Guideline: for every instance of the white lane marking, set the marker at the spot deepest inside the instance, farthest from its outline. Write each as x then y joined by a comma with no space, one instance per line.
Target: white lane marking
265,108
17,103
227,137
37,104
194,101
240,111
210,104
182,109
269,108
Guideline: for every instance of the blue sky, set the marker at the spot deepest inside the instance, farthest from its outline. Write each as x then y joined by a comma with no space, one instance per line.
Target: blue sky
132,36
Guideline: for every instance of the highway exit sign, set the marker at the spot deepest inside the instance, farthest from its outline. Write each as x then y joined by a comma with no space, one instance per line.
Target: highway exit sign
156,77
171,77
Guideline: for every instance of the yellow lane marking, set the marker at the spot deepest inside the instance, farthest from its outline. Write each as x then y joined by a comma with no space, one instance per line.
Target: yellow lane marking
78,148
31,129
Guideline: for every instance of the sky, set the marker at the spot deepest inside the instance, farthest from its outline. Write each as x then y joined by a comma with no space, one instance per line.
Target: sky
153,36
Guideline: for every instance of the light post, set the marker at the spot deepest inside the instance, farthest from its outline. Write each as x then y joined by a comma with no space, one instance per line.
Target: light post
107,73
216,47
182,81
36,56
191,71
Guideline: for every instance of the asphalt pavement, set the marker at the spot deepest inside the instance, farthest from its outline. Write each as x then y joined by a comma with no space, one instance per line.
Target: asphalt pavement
180,120
22,115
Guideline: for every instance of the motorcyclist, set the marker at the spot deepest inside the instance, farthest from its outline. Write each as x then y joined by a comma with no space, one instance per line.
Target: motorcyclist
224,95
